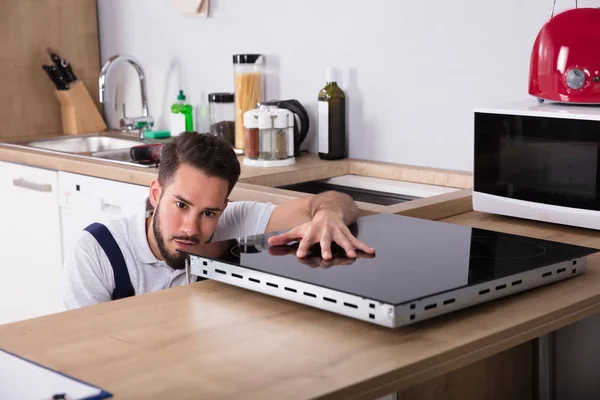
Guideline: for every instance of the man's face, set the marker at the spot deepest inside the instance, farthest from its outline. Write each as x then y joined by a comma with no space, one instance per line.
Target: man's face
186,212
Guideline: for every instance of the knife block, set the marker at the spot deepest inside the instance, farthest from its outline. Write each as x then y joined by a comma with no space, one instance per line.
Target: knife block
78,111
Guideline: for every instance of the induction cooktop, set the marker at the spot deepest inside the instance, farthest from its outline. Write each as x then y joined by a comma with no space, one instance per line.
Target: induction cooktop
421,268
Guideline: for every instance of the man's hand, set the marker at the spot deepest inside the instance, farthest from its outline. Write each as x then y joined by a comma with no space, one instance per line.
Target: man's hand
325,227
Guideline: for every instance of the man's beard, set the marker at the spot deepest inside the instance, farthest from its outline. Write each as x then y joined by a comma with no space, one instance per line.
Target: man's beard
174,260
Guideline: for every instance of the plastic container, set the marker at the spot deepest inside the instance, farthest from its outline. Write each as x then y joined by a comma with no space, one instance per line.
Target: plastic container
248,88
181,118
222,116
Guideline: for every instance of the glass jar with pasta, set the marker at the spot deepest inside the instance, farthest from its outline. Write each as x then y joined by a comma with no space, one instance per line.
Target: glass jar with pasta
248,88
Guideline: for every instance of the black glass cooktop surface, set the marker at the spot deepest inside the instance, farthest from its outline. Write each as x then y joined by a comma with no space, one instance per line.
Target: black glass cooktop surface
414,258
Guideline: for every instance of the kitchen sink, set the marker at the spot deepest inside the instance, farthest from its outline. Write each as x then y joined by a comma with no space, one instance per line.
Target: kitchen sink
99,146
86,144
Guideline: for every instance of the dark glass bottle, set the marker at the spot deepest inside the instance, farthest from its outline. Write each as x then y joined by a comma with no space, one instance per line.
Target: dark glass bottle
331,128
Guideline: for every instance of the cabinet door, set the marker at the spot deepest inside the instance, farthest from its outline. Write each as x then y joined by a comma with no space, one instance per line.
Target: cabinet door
84,200
30,242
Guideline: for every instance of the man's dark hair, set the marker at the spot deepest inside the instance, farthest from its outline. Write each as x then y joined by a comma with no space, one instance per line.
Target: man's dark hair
210,154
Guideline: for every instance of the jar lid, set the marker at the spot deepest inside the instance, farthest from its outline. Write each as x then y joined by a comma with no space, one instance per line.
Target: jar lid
220,97
250,120
265,121
282,119
247,59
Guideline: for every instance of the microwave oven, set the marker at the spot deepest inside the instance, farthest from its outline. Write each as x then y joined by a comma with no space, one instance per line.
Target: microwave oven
538,161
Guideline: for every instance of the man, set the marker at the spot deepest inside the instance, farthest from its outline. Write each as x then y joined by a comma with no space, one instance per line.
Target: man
190,205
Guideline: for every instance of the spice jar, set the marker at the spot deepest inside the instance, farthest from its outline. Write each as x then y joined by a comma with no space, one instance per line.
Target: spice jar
222,116
280,135
251,134
248,87
269,134
265,132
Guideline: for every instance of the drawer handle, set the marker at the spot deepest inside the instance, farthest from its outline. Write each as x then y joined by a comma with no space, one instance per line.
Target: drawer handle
110,208
39,187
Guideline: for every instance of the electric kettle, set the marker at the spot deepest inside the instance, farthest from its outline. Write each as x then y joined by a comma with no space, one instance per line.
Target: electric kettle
300,116
565,58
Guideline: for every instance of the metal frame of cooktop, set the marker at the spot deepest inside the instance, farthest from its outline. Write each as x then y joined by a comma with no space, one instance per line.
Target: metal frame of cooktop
374,311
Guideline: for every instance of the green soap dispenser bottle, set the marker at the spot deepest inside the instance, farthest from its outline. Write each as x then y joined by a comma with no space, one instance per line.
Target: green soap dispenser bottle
181,116
331,128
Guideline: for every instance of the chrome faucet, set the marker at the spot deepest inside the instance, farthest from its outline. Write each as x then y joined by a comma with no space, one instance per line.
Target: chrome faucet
143,122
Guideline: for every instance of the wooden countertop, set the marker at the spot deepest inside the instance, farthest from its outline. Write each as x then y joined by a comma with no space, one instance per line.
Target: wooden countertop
261,184
309,165
212,340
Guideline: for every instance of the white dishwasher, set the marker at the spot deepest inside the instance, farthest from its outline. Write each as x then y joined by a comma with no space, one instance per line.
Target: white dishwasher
84,199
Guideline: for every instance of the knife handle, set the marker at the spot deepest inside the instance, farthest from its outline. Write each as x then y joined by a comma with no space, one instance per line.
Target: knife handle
63,68
69,74
55,77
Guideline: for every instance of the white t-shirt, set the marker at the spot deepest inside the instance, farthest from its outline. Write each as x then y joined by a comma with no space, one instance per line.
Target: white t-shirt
87,275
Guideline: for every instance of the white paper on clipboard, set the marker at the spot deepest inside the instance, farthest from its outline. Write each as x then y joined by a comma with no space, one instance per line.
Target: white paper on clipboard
24,379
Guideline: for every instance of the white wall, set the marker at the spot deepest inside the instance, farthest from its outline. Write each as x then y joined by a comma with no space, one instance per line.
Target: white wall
412,70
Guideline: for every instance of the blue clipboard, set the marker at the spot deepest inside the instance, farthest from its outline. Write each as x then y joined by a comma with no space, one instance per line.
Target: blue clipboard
17,374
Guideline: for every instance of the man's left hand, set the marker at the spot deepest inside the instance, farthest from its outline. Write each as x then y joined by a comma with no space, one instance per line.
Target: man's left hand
325,227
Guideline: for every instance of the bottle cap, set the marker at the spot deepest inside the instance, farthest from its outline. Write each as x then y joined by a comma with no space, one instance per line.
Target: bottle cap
250,119
248,58
181,96
331,74
264,120
282,119
220,97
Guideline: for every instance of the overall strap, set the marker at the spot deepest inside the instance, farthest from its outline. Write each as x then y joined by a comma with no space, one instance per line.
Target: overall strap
123,287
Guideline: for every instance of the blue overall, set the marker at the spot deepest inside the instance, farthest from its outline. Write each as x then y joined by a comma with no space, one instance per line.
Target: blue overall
123,286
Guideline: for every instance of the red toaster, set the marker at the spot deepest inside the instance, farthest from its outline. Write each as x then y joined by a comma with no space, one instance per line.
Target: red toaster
565,59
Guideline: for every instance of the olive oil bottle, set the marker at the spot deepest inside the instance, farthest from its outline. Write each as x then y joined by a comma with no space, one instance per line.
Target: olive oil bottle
331,127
